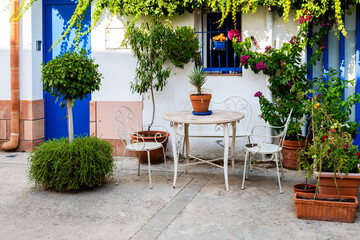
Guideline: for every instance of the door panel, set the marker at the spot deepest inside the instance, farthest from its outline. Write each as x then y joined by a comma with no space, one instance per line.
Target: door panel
56,14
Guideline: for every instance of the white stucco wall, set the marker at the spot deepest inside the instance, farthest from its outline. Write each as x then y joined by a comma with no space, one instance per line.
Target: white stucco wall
30,30
118,68
4,51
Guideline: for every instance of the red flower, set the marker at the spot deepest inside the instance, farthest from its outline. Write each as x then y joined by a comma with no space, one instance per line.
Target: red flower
332,130
328,152
345,146
324,137
358,154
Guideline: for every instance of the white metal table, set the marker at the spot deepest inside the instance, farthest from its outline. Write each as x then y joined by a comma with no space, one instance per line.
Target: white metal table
222,118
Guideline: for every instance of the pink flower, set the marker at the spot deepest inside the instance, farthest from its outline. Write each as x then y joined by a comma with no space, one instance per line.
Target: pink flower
258,94
261,66
233,34
267,48
243,59
332,130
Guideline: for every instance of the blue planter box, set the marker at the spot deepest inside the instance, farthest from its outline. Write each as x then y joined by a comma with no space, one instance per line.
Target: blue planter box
219,45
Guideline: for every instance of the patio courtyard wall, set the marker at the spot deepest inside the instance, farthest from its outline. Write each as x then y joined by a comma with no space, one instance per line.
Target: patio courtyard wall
31,95
118,68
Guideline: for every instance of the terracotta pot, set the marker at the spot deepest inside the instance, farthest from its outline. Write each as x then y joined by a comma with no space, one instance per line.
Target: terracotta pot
300,187
201,102
348,184
325,210
290,151
156,156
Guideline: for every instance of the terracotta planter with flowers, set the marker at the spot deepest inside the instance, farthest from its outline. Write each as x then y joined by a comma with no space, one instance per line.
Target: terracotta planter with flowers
348,183
325,207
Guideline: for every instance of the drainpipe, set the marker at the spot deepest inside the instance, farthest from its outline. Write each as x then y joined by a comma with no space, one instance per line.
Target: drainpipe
269,42
14,68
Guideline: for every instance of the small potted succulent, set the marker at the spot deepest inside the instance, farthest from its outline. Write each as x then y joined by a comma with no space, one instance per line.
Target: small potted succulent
199,100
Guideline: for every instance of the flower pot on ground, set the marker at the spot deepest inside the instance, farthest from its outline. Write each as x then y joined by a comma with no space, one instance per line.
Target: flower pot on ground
199,100
156,156
348,184
325,207
304,187
290,153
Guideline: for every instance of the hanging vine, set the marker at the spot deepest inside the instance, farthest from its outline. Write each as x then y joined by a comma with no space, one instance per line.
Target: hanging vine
316,9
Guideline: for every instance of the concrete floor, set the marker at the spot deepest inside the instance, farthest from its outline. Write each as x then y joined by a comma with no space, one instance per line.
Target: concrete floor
199,208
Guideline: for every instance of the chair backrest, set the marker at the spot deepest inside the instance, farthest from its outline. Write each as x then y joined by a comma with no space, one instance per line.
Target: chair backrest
235,103
282,135
125,124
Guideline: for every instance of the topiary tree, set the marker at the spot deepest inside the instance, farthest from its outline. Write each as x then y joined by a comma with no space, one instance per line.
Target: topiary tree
72,76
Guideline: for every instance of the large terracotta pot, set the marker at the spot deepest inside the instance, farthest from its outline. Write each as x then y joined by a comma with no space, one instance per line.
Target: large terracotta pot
201,102
348,184
290,151
156,156
320,209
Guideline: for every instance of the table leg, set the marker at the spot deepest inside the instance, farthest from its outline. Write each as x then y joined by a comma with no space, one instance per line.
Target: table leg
226,154
175,155
233,124
187,144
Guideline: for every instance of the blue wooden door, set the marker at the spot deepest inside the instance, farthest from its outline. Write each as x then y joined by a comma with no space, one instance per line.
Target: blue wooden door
56,14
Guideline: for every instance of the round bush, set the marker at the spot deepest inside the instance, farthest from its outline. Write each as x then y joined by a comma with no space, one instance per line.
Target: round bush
63,166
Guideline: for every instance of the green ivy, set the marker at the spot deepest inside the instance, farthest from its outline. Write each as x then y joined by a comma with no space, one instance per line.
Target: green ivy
168,8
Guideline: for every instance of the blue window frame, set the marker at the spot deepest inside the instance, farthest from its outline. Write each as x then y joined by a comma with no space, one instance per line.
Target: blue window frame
218,59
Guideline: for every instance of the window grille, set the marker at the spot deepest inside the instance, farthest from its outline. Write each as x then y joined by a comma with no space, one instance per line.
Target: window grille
214,58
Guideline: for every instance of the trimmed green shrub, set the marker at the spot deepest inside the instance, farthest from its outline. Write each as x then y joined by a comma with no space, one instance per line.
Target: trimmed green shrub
64,166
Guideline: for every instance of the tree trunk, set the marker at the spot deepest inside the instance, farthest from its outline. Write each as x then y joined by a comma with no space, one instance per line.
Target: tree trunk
70,120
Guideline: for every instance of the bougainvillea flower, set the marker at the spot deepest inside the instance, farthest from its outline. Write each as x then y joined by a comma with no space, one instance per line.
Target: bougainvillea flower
261,66
258,94
233,33
243,59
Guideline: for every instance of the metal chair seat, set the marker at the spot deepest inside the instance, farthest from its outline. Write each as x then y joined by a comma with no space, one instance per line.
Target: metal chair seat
265,148
143,146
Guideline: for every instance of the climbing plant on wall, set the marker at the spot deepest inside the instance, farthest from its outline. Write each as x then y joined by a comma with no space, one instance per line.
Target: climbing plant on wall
160,8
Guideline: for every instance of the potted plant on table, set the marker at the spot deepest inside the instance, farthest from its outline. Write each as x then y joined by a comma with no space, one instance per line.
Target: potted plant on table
288,84
152,44
199,99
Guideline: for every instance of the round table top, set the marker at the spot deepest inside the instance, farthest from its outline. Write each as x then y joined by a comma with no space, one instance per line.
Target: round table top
218,116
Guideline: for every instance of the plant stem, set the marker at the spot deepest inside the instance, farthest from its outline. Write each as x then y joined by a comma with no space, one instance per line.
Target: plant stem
70,120
153,103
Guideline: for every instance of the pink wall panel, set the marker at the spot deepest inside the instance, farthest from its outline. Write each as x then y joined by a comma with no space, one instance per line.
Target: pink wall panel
105,113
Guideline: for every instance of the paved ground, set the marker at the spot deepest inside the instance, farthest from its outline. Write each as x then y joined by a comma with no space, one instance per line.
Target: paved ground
199,208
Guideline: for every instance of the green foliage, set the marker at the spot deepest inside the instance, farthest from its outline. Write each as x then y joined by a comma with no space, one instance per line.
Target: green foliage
287,78
197,79
63,166
332,99
166,8
147,42
182,46
72,75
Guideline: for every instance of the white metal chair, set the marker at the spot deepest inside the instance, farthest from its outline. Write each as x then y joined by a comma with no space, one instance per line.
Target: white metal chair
126,125
267,148
235,103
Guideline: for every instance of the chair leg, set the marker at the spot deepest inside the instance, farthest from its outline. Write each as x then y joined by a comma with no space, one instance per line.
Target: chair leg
282,168
277,170
166,168
121,165
149,169
249,166
139,164
245,163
